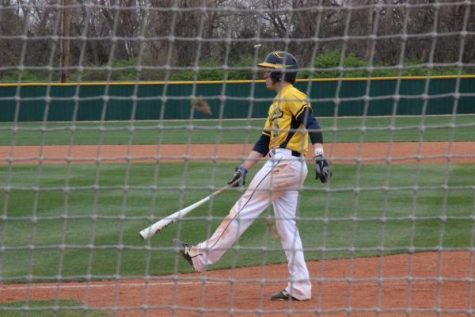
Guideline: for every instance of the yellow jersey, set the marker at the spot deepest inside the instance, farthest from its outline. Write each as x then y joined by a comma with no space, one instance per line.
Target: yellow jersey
281,124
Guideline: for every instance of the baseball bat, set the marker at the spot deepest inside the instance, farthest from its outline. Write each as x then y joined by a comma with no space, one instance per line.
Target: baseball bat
165,222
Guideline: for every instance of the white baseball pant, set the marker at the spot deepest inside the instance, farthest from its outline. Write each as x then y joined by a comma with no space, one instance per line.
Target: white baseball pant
277,183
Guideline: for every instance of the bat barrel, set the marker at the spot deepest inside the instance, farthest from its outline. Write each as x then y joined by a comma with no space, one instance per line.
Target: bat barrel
159,225
150,231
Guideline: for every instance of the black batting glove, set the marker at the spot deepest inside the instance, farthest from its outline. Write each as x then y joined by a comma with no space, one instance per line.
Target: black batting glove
322,169
239,177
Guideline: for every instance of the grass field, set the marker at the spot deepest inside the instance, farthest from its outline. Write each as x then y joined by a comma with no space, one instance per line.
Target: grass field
44,309
343,129
83,222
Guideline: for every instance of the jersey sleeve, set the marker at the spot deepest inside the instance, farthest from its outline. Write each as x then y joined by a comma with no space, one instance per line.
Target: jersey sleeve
296,105
311,124
262,145
267,128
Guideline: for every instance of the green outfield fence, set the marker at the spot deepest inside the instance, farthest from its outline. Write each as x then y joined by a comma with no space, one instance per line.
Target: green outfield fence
233,99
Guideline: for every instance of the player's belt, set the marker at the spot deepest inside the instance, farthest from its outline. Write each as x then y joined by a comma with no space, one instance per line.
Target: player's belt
294,153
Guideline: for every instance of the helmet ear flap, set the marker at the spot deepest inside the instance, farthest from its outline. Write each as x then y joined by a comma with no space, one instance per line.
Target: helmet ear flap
276,76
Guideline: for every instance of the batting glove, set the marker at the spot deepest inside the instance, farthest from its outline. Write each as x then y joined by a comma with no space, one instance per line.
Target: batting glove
239,177
322,169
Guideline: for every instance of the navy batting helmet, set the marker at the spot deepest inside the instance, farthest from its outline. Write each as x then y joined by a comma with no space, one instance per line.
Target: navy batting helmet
284,65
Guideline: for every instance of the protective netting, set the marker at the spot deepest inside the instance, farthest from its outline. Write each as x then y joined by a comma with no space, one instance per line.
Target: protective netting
116,114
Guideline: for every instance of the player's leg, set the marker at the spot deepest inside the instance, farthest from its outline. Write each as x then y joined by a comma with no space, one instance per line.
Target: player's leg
249,206
285,208
299,285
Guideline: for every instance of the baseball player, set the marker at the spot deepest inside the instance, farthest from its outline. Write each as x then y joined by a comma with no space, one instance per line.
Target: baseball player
284,140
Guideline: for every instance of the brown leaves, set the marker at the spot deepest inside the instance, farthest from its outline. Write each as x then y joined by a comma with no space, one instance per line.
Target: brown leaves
200,105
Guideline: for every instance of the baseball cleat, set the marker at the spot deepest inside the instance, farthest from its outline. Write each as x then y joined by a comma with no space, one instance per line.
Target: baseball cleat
282,295
183,250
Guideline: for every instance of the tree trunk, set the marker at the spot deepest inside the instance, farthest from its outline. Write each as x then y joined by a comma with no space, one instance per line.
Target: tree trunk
66,47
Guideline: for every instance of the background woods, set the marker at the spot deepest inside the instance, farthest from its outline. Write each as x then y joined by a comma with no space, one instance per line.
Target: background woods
166,40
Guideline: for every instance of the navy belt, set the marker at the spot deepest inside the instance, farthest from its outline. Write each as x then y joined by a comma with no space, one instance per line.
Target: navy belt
296,154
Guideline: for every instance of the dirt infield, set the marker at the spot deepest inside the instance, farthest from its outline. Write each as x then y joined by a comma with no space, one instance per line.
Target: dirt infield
366,153
424,284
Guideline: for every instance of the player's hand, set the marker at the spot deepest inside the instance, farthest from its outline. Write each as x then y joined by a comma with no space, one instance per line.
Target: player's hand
239,177
322,169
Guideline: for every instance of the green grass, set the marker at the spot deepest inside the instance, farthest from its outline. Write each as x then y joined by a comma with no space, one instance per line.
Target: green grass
83,223
351,129
63,308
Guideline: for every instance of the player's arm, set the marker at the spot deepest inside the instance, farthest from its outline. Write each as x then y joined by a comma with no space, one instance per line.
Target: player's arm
314,131
322,168
260,149
252,159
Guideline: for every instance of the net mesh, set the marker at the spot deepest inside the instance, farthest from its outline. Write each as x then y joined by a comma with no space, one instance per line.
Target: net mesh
115,114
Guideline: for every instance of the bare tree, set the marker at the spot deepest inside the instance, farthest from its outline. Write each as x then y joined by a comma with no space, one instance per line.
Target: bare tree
66,47
11,28
171,35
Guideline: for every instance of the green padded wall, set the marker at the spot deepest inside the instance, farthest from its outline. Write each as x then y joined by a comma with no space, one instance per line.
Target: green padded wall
240,99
